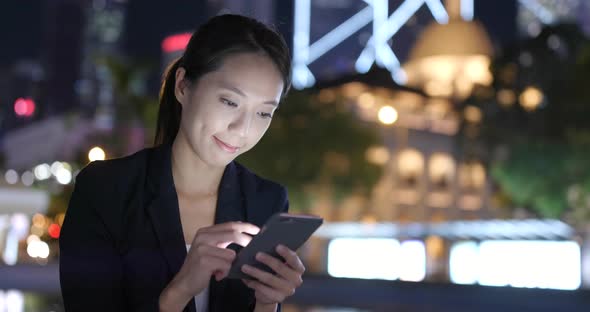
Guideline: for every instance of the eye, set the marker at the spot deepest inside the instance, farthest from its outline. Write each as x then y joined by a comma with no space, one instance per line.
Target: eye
265,115
228,102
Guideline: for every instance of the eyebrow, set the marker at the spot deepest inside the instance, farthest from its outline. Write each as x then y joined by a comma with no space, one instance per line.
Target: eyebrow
229,87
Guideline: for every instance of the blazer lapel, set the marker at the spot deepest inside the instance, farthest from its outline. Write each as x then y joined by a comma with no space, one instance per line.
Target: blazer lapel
230,207
162,208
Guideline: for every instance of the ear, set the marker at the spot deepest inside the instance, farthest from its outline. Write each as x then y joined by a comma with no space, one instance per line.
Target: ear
181,86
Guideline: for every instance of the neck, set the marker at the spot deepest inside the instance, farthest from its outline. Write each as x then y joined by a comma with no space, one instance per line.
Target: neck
192,176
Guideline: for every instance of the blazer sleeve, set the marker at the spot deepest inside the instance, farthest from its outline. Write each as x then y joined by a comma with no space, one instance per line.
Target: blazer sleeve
90,267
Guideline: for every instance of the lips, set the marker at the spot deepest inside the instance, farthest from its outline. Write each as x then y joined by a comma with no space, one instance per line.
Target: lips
226,147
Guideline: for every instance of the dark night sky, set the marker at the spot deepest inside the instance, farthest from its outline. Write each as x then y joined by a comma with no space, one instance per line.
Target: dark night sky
23,25
20,29
148,21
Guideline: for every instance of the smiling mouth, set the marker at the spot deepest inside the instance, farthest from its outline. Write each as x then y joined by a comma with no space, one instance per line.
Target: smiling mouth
226,147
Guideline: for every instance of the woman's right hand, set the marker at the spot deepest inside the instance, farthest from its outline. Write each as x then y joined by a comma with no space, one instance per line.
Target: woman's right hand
208,255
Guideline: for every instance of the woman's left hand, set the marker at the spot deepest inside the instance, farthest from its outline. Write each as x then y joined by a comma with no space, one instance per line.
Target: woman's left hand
269,288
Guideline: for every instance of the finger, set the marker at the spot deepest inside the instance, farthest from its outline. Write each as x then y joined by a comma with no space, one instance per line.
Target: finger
208,250
267,278
216,266
269,292
233,226
282,269
223,239
291,258
215,263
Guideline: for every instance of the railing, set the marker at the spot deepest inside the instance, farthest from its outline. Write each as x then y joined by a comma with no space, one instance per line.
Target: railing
372,295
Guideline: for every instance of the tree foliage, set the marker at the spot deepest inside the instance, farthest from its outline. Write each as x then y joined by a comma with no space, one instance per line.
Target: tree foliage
548,148
313,142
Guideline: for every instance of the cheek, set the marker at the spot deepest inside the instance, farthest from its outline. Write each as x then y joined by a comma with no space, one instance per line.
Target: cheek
203,118
258,132
189,114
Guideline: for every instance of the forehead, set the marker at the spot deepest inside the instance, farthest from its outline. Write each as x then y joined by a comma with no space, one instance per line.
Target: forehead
254,74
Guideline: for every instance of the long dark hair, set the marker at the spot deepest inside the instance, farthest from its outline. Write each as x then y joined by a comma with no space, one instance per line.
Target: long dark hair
220,37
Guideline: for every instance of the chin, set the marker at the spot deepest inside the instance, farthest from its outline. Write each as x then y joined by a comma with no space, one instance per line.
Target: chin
220,160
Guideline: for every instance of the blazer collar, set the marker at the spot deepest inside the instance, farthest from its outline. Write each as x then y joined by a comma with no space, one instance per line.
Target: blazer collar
163,210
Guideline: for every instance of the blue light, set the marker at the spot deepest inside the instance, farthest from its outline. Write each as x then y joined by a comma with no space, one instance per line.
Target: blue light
302,76
400,77
467,10
340,33
400,16
377,50
438,11
539,10
383,30
364,61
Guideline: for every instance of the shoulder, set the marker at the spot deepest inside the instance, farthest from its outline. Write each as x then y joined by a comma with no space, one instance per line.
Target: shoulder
109,183
100,192
257,182
114,171
263,187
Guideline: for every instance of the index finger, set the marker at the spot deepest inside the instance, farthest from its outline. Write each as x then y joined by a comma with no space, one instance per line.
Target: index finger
238,226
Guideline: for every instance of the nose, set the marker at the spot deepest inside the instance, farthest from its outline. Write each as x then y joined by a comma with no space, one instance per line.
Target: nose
241,124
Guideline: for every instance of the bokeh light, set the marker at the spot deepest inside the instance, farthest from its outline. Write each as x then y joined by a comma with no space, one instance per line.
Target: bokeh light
11,176
42,172
531,98
54,230
96,153
387,115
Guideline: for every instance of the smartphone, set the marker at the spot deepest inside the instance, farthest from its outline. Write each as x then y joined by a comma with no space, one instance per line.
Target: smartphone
290,230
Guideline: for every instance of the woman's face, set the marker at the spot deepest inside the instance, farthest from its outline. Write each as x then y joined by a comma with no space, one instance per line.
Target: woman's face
227,111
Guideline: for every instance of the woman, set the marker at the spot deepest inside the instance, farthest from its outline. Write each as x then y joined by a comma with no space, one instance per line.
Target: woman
149,231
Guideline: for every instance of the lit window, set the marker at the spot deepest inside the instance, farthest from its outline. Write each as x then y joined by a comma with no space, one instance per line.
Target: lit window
377,258
441,169
531,264
472,176
410,166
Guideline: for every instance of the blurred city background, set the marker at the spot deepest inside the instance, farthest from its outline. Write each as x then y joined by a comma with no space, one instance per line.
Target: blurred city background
445,143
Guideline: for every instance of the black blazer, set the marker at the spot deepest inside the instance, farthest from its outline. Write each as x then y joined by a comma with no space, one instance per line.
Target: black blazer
121,242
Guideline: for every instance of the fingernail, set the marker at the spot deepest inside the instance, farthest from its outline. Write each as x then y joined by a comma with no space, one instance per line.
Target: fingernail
259,256
281,248
246,267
